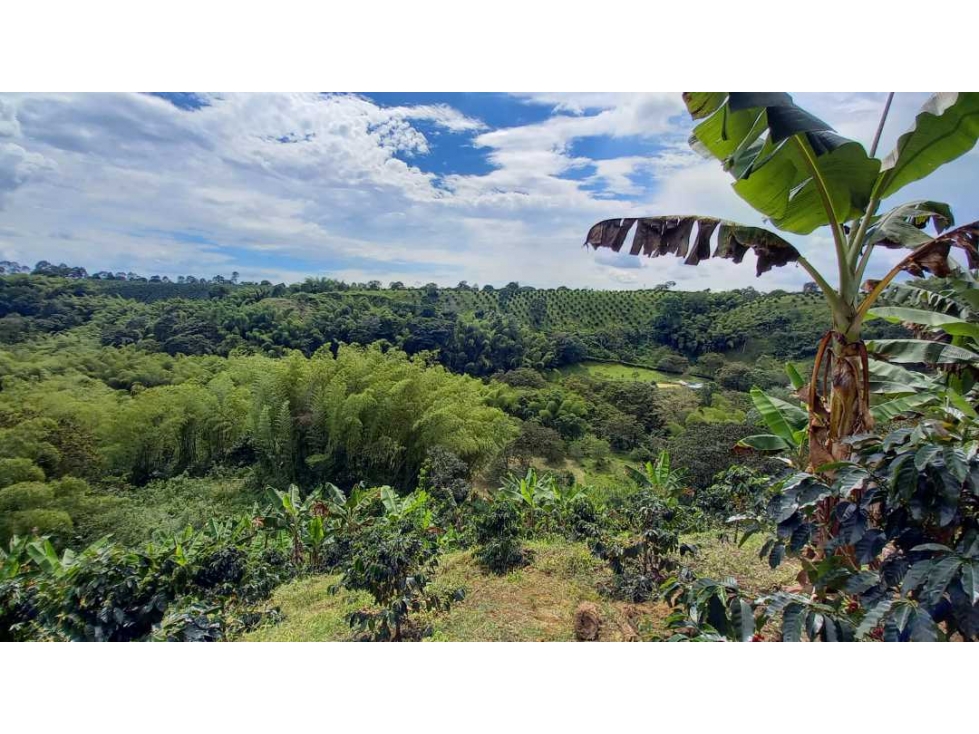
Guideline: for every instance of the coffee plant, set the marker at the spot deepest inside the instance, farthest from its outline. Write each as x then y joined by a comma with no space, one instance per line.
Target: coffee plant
393,560
498,533
194,585
650,552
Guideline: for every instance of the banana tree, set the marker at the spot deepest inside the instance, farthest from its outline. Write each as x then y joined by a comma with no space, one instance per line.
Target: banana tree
943,315
300,518
787,425
397,508
801,175
659,476
533,492
347,513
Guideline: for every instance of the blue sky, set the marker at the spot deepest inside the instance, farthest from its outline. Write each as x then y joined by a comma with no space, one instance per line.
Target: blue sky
486,188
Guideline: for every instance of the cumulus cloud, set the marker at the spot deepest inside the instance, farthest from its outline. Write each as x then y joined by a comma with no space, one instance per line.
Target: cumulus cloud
578,103
440,114
288,185
18,166
9,127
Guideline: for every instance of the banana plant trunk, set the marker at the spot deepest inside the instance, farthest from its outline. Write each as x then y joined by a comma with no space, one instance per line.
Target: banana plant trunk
839,408
839,398
839,392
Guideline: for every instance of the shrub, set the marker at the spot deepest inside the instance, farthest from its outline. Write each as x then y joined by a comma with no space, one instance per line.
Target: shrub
523,377
895,537
194,585
705,449
738,490
649,554
674,363
393,562
445,476
741,377
536,440
719,410
642,454
736,376
888,548
583,519
622,431
25,496
674,405
167,505
33,508
15,471
708,365
498,533
636,399
590,447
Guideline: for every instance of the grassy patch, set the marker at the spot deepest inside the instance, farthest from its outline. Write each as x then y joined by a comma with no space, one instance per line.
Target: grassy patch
534,603
604,477
612,371
537,602
311,613
719,558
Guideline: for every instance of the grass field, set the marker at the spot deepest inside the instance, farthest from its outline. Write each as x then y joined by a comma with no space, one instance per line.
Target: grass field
534,603
613,371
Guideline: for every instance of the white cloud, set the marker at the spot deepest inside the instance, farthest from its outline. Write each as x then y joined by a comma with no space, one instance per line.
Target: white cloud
441,115
577,103
9,127
17,166
288,185
533,161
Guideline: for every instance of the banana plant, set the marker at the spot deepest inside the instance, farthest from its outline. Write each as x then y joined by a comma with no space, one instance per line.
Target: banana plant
788,425
659,476
22,551
801,175
563,501
301,519
564,496
347,513
415,506
534,492
943,314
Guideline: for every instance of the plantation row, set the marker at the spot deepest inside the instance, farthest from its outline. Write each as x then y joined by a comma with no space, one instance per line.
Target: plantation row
472,332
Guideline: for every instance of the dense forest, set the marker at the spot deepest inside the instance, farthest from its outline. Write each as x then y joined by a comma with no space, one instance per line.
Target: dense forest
476,331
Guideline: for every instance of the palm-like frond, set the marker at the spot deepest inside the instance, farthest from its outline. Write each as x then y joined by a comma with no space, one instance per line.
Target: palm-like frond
672,235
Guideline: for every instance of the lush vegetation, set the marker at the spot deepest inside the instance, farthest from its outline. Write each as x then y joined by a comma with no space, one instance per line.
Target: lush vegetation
184,461
884,522
200,484
145,495
473,331
117,452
